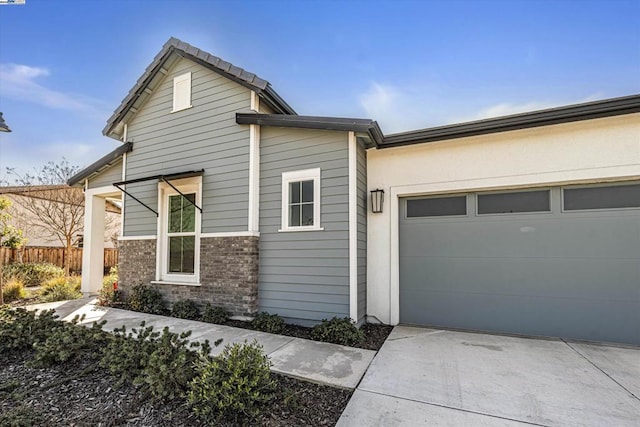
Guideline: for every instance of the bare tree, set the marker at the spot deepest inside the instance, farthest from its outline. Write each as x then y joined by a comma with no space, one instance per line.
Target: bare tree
58,210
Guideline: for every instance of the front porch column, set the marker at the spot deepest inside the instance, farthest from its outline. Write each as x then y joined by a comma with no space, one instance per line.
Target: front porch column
93,247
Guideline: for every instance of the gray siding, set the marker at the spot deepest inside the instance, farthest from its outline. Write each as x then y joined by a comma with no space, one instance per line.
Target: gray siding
362,232
107,176
205,136
304,276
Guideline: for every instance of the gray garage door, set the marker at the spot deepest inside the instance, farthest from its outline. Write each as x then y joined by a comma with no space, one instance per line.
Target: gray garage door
561,262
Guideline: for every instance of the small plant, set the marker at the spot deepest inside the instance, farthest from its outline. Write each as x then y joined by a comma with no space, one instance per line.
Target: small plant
61,289
266,322
69,342
21,329
338,331
31,273
213,314
147,300
109,295
185,309
14,290
234,385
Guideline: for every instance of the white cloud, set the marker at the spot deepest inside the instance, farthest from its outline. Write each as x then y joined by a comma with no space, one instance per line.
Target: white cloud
19,82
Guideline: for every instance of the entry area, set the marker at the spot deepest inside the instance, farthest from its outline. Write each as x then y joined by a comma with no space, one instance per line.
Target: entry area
556,262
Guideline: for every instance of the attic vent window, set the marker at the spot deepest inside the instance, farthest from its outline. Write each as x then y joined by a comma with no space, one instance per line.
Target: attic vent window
182,92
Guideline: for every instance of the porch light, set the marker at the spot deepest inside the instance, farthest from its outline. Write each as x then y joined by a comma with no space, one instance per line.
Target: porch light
377,200
3,125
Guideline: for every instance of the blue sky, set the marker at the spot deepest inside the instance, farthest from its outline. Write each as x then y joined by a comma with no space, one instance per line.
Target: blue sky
66,65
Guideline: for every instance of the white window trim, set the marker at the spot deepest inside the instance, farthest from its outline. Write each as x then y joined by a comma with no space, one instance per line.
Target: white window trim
294,176
188,185
177,80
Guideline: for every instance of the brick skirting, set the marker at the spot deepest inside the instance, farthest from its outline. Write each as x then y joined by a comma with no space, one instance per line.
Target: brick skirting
228,272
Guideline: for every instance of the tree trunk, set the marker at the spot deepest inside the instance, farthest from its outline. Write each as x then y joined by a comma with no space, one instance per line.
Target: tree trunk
67,257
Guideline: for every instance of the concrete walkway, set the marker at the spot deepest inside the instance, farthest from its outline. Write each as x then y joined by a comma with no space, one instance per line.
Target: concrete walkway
314,361
435,377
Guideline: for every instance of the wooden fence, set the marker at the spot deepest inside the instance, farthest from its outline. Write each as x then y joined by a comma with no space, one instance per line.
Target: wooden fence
54,256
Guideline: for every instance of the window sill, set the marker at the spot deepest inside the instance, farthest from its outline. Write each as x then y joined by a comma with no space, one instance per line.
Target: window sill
174,282
181,109
295,230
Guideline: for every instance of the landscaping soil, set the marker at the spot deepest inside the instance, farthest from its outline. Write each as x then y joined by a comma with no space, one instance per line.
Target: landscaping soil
82,394
374,334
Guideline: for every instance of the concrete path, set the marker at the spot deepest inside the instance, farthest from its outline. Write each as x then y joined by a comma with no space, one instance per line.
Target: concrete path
435,377
314,361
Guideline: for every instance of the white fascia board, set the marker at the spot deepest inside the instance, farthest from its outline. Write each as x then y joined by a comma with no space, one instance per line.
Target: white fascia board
353,227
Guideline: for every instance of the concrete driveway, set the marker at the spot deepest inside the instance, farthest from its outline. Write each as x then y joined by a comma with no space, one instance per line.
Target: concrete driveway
435,377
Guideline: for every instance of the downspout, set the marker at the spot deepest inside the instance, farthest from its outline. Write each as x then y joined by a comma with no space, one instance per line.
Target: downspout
124,178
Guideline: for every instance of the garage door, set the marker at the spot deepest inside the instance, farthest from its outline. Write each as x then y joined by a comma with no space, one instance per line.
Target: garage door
561,262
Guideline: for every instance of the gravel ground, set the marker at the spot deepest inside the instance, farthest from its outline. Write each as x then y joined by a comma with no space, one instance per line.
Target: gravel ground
81,394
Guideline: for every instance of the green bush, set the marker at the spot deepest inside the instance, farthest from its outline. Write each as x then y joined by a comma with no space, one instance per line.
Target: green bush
185,309
338,331
234,385
266,322
213,314
147,300
61,289
21,329
70,342
109,295
13,290
31,274
161,364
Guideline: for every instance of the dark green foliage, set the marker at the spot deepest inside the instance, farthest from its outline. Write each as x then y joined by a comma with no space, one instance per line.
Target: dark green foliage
161,363
234,385
185,309
338,331
213,314
31,273
21,415
266,322
21,329
69,342
147,300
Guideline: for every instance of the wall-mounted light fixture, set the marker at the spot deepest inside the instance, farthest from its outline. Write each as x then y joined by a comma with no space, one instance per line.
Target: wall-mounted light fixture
377,200
3,125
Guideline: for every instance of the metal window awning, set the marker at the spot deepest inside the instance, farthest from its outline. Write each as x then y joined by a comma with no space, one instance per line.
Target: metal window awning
164,178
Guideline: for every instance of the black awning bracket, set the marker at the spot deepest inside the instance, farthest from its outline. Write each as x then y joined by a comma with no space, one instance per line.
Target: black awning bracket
163,178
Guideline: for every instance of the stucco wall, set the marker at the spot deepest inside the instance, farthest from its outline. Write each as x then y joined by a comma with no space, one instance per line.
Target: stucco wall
606,149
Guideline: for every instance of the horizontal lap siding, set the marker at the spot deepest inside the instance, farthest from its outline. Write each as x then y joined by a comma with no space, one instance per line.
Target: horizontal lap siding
361,177
205,136
304,276
107,176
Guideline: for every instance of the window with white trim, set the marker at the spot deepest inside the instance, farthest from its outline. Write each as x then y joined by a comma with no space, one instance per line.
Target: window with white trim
301,200
179,245
182,92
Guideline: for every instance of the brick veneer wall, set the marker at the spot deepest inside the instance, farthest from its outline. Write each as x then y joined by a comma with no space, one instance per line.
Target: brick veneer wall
228,272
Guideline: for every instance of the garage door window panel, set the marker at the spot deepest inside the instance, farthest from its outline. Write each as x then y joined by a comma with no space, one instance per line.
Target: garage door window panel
437,207
514,202
603,197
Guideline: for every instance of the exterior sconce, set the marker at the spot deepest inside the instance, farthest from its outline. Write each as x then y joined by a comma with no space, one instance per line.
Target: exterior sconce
3,125
377,200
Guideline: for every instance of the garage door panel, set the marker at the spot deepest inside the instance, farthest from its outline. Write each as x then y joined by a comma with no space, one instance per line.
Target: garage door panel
568,274
583,319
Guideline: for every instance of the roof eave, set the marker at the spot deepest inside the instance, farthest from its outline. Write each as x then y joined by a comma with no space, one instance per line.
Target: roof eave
106,161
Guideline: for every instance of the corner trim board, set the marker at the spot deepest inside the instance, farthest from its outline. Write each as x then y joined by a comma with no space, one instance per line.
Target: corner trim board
353,227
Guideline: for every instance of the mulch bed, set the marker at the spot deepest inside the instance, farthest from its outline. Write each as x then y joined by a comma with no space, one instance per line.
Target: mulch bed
374,334
82,394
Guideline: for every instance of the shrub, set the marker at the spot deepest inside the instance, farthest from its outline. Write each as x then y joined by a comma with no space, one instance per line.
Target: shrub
14,290
266,322
233,385
21,329
338,331
213,314
185,309
109,295
161,364
32,274
147,300
69,342
60,289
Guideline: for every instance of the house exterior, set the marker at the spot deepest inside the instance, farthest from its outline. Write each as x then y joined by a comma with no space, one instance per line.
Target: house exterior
526,224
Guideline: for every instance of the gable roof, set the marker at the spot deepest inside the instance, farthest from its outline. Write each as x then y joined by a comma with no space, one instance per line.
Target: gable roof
172,51
367,129
101,164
